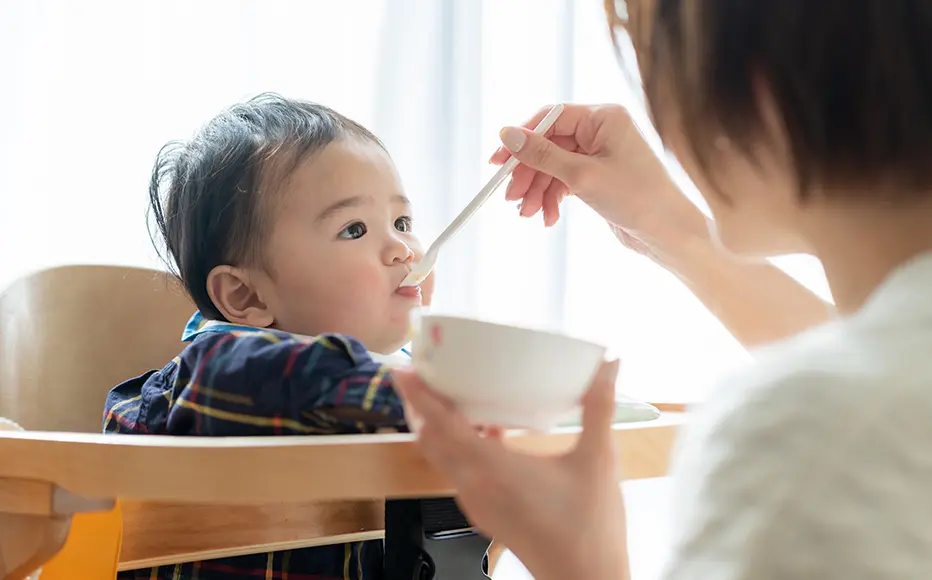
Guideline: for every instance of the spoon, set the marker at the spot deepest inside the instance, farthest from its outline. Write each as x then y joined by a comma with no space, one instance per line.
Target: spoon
422,269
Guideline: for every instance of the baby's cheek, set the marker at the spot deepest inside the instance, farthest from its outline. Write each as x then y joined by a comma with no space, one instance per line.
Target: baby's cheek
351,307
348,289
364,291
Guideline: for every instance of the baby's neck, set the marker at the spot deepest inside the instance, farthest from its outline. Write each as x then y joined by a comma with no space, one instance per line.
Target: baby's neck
376,349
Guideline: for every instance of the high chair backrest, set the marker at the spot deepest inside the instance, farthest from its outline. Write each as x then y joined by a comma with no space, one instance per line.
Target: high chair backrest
69,334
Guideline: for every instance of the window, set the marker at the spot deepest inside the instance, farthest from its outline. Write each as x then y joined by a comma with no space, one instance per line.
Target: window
93,89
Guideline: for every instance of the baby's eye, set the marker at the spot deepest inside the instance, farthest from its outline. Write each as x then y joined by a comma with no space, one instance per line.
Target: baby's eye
403,224
353,231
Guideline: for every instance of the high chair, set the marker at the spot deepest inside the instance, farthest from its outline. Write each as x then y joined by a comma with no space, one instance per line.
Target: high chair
67,335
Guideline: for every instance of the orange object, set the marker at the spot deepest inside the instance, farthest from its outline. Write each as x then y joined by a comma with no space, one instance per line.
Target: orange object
92,549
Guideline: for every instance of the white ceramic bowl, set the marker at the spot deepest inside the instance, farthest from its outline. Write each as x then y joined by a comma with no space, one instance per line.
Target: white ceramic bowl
504,375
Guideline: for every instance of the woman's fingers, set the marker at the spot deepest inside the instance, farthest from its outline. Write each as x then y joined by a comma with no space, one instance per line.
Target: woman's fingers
554,195
494,433
521,179
428,405
563,132
567,142
445,436
502,154
598,414
534,198
535,185
540,153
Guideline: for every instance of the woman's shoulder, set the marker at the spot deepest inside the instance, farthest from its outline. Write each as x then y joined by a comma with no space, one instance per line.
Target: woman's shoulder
802,397
831,426
839,368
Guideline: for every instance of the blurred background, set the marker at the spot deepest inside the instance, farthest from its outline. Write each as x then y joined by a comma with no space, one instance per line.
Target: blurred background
92,90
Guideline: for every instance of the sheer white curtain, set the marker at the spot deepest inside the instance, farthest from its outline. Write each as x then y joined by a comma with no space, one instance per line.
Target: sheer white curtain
92,89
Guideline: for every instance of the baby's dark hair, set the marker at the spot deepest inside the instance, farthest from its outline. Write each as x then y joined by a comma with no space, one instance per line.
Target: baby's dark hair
209,196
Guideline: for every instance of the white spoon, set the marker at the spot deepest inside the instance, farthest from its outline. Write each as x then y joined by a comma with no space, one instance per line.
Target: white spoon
422,269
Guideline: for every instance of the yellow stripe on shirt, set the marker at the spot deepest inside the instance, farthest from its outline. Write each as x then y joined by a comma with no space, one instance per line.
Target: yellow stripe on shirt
254,420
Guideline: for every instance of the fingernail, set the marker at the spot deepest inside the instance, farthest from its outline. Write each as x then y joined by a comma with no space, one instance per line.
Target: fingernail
512,138
609,371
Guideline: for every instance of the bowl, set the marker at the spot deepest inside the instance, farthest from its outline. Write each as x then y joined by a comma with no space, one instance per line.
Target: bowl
504,375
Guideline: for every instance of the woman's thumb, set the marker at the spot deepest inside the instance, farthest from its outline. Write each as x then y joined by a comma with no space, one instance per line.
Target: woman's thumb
599,411
540,153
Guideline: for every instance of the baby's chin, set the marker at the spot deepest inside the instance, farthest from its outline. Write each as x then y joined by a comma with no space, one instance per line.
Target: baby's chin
387,347
390,340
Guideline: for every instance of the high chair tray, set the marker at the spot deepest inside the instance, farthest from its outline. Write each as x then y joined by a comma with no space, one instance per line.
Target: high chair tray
262,470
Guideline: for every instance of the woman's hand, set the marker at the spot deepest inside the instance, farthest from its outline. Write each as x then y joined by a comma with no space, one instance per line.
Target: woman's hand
598,154
562,516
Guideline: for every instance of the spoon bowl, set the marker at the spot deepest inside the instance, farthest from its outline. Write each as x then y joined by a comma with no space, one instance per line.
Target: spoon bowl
422,269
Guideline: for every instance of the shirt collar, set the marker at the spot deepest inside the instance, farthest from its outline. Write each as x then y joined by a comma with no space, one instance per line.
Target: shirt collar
198,325
906,291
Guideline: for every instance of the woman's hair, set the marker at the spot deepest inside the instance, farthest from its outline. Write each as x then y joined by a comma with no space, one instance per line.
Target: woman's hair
850,79
211,197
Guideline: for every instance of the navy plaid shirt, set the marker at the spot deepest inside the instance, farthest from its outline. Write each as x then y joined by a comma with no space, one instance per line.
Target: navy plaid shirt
241,381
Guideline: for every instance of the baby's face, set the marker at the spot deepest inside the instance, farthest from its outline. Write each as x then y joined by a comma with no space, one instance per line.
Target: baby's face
340,245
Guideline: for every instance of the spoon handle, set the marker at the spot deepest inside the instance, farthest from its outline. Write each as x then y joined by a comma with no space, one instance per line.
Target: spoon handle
486,192
477,202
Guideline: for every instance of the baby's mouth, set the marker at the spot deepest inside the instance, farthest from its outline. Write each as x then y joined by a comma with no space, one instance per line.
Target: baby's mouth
412,292
407,270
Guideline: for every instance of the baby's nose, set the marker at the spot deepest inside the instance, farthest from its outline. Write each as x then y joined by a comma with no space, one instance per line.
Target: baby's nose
402,253
408,255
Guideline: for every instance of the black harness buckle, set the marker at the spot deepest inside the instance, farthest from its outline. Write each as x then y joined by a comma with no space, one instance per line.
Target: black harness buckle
423,536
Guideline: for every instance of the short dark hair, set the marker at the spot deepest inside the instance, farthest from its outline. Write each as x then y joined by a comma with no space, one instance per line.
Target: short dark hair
851,79
209,195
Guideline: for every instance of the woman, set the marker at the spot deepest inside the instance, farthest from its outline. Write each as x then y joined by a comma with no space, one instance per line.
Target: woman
807,128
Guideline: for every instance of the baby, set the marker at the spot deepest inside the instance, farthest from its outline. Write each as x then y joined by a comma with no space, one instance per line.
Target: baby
289,227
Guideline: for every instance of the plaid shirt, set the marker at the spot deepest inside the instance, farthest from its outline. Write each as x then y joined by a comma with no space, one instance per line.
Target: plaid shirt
237,381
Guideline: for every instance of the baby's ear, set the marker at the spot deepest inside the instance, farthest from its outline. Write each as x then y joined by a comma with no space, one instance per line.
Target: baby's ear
237,298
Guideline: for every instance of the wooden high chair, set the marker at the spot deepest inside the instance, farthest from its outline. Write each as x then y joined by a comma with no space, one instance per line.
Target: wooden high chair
67,335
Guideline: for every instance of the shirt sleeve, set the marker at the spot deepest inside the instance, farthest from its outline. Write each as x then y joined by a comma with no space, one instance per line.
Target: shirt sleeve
266,383
124,401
